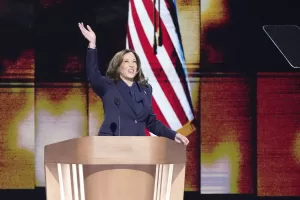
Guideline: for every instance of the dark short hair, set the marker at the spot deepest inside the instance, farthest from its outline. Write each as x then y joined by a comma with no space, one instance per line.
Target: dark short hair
114,65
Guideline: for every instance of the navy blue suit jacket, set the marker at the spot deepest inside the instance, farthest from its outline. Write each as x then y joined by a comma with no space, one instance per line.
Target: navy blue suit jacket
132,123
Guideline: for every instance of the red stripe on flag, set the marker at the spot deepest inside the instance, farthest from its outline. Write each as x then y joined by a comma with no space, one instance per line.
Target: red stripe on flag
156,67
158,113
167,3
147,132
130,45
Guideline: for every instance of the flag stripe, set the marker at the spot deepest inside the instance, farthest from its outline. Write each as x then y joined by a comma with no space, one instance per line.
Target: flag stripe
127,42
166,83
158,93
158,113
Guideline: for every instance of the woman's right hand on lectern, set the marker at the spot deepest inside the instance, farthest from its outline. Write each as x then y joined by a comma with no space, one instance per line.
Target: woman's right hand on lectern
88,34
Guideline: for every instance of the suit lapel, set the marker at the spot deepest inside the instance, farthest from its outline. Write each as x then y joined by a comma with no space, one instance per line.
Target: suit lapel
142,96
125,94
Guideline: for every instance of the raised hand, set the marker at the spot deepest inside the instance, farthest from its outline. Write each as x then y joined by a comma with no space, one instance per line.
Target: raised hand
88,34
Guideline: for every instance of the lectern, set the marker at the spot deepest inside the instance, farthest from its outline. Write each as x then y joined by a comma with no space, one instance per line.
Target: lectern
115,168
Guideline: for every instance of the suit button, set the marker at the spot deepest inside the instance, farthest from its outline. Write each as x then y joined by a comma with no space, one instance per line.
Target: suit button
135,121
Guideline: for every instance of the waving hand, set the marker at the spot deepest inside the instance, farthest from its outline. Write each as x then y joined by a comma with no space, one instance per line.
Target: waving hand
88,34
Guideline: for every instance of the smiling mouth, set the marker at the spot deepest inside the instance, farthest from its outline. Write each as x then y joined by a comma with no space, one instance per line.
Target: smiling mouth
131,71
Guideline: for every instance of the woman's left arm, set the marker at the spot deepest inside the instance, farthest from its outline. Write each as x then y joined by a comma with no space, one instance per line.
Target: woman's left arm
158,128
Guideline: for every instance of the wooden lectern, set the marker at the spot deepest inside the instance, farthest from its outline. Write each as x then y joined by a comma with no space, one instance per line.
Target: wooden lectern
115,168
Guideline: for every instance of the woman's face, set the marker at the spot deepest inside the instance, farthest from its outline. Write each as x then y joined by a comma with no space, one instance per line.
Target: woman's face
128,67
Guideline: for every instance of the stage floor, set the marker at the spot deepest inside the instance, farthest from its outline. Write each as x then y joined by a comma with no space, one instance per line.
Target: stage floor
39,194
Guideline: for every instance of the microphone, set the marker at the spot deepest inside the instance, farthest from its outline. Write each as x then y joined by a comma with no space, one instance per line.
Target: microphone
117,102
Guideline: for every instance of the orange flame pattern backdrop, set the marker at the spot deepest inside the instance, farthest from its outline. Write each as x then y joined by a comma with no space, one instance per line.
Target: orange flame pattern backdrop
227,159
249,124
278,129
17,143
248,138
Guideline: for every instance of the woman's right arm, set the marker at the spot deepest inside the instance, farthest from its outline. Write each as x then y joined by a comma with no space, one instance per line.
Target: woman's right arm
98,82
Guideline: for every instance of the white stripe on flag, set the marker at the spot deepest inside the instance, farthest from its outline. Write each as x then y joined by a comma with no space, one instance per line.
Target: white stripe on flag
127,44
164,60
151,134
158,93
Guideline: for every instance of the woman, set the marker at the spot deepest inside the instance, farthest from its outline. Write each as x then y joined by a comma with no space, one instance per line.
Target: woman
125,93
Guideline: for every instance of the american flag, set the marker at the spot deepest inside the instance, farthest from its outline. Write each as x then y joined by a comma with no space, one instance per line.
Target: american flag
153,32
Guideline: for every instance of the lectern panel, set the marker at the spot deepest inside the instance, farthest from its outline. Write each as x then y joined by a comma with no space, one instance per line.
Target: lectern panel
109,182
110,168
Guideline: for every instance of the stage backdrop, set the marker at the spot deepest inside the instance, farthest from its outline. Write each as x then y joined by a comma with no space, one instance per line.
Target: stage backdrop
45,97
244,122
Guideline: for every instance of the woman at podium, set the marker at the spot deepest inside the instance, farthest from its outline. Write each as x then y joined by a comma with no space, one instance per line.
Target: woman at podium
125,93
